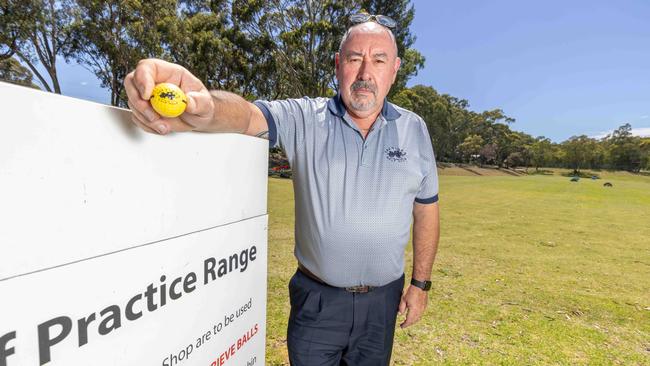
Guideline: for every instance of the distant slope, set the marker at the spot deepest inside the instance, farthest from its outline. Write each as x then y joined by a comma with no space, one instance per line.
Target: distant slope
473,170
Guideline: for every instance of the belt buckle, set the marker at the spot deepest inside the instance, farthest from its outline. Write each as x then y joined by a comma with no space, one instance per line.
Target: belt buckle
359,289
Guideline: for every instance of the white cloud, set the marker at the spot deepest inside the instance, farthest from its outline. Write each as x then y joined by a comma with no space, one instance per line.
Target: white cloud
641,131
84,83
645,116
600,135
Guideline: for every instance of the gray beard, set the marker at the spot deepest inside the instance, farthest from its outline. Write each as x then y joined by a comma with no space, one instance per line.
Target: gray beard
363,106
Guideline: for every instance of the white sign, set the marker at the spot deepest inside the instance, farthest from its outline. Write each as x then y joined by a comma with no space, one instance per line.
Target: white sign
119,247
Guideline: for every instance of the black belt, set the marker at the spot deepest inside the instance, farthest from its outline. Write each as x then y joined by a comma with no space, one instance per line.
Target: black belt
356,289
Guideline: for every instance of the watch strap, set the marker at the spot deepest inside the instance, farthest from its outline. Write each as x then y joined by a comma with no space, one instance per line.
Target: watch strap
424,285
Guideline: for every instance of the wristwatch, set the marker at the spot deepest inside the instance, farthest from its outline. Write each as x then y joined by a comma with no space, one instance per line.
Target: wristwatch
424,285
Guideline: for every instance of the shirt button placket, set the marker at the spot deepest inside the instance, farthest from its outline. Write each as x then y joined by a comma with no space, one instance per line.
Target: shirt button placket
364,146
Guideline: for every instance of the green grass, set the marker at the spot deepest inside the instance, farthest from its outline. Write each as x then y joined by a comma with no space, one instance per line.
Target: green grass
531,270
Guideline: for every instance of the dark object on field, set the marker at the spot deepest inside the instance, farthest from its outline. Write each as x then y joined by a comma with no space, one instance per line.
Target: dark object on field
608,184
594,177
575,179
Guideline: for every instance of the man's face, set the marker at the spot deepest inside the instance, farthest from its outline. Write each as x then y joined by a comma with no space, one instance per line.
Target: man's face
366,68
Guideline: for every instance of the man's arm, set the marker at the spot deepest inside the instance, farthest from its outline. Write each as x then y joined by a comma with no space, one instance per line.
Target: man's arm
215,111
233,113
426,233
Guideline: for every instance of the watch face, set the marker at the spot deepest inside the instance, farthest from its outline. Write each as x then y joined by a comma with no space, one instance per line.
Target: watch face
427,285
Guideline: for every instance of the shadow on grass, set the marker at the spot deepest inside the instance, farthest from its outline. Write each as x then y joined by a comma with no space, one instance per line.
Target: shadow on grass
541,172
469,170
580,174
511,172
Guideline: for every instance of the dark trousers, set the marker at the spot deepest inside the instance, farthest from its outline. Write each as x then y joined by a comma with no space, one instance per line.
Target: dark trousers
330,326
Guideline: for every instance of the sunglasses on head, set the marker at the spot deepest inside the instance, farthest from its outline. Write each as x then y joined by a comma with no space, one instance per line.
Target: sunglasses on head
387,22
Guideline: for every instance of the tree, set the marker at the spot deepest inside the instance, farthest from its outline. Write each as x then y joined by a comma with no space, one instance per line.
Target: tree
34,31
541,152
624,149
471,147
302,37
10,26
515,159
434,110
299,39
645,148
197,41
521,149
488,154
452,127
578,152
13,72
597,156
500,136
109,37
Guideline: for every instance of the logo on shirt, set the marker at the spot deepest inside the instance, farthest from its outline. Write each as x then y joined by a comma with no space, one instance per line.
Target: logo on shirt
395,154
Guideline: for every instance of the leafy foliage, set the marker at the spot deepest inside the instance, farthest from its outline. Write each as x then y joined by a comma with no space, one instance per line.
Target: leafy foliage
35,32
12,71
272,50
109,37
458,134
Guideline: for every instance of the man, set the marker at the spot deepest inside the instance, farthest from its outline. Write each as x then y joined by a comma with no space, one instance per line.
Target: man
361,168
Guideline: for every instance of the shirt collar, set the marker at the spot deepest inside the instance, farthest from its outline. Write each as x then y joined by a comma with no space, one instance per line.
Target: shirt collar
336,106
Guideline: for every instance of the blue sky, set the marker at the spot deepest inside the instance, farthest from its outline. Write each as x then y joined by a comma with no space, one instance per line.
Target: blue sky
560,68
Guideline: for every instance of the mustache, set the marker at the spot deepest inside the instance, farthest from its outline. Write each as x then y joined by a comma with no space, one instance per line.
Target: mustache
362,84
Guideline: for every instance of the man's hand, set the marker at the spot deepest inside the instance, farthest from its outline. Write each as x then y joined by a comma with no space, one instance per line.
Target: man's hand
139,84
415,300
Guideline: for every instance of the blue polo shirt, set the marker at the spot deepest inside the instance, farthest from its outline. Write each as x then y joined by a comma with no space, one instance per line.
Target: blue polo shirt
353,196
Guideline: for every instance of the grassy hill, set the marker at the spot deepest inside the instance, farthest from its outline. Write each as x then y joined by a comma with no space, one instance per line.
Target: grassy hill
531,270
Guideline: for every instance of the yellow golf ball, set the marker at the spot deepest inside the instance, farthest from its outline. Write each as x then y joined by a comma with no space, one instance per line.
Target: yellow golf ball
168,100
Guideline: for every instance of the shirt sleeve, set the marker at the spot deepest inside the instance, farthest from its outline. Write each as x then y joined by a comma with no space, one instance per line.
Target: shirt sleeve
286,121
428,192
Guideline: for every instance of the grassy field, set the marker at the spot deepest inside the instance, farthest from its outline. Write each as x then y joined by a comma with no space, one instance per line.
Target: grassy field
531,270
